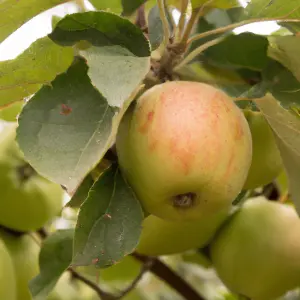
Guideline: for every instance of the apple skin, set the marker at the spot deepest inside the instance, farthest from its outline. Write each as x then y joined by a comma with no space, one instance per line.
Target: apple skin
24,252
66,289
162,237
257,252
125,270
266,160
8,285
26,205
185,148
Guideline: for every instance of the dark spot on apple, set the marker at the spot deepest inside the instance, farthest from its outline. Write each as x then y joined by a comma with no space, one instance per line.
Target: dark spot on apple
144,128
186,200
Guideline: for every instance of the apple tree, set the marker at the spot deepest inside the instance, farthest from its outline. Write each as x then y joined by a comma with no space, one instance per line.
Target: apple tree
150,151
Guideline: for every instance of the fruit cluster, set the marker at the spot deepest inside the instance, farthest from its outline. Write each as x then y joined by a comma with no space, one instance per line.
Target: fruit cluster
27,202
187,151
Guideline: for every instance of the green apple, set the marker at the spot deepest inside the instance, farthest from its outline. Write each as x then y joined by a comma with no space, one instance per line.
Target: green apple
8,286
266,160
65,289
28,200
162,237
24,251
185,148
125,270
257,252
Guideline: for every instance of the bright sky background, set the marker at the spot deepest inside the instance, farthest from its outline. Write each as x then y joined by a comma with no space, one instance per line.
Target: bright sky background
41,25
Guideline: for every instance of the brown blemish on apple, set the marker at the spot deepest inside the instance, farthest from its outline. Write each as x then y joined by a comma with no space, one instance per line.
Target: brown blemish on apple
229,168
239,132
149,119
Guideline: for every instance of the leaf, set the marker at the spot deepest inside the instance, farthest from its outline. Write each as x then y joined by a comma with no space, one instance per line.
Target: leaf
286,128
11,112
246,50
66,128
109,5
82,192
286,49
120,57
130,6
282,84
155,27
215,3
216,18
55,257
109,222
273,8
223,17
38,65
14,13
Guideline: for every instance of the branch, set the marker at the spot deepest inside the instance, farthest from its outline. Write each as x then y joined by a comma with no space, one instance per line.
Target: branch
235,25
102,295
181,23
145,268
166,274
81,5
197,51
196,14
141,18
165,23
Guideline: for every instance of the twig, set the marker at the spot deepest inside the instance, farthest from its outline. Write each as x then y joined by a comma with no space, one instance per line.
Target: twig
197,51
146,266
141,18
108,296
164,19
102,295
181,23
81,5
190,25
196,14
235,25
242,99
166,274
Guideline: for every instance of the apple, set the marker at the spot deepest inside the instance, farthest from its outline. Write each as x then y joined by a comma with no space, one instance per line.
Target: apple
257,252
185,148
66,289
125,270
8,285
162,237
28,200
266,160
24,251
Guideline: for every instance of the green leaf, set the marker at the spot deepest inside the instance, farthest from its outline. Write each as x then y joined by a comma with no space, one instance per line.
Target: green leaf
130,6
14,13
223,17
246,50
109,5
155,27
66,128
286,49
282,84
119,58
11,112
55,258
273,8
215,3
82,192
286,128
38,65
109,222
